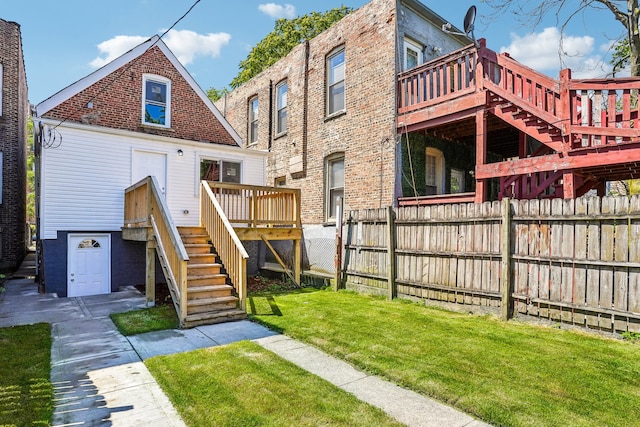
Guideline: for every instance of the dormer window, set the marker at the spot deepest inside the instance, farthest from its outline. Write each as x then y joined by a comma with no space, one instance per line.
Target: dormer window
156,105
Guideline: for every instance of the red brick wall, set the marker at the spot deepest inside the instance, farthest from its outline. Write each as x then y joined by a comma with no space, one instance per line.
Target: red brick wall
365,133
117,103
13,140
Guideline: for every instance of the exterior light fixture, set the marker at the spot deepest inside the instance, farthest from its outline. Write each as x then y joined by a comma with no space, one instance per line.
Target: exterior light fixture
180,152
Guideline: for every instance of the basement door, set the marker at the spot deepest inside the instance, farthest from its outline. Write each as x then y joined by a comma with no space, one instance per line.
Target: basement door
88,264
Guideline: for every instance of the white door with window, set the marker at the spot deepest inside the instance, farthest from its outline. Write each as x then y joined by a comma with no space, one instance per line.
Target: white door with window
88,264
149,163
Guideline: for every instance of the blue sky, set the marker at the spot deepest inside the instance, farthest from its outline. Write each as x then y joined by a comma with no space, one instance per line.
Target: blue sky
65,40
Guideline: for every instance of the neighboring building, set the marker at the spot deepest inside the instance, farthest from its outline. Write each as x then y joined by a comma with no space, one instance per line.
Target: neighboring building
327,113
14,111
140,115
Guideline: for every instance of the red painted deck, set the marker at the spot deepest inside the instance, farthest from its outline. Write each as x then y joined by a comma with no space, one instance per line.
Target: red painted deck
588,128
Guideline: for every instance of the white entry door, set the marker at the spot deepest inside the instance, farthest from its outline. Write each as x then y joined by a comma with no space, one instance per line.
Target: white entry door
88,264
149,163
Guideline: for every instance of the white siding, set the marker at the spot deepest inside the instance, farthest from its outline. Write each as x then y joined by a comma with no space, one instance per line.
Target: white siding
84,178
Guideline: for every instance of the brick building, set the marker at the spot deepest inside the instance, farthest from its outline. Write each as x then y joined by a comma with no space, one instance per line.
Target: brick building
14,110
327,113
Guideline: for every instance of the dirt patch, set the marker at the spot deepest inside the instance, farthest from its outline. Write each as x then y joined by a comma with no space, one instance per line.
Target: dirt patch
268,284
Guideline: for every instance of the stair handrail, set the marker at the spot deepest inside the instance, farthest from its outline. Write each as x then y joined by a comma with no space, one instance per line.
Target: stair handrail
511,78
225,240
148,203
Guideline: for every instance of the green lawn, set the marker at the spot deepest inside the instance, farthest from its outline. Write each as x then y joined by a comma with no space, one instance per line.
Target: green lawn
242,384
510,374
146,320
26,394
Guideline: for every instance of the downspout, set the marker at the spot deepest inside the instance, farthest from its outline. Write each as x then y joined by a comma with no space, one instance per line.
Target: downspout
270,138
37,152
305,109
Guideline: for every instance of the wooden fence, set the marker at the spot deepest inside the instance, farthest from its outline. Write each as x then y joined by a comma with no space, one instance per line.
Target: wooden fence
572,261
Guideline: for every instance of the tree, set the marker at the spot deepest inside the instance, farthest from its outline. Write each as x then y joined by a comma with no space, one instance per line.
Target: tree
286,35
534,12
214,94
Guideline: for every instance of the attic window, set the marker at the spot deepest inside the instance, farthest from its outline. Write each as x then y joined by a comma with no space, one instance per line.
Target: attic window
156,105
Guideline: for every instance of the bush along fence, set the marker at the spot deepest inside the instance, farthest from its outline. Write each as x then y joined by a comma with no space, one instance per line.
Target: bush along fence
572,261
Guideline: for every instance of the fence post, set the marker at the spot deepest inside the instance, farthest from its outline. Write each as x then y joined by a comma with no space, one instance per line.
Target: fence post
338,255
505,278
391,250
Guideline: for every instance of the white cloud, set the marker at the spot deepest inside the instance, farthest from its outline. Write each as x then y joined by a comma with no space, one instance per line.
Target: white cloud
277,11
115,47
549,51
185,44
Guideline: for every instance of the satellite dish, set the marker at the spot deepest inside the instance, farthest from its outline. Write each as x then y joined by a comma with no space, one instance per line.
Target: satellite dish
469,20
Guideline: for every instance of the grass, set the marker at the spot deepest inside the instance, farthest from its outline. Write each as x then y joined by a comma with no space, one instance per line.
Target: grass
26,394
146,320
508,374
242,384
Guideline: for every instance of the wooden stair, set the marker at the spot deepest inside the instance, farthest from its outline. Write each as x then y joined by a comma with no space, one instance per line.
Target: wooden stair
209,298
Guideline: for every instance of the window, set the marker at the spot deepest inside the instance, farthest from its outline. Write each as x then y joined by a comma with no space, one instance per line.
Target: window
280,182
335,83
253,120
220,170
156,106
334,183
457,181
281,108
412,54
434,171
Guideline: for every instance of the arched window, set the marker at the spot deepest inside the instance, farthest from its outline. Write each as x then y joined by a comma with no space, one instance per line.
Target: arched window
434,171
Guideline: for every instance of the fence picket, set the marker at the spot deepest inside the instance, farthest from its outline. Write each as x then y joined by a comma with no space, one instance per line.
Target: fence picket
634,256
593,254
580,270
621,253
606,254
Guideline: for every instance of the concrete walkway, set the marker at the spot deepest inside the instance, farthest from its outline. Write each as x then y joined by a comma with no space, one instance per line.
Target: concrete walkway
99,378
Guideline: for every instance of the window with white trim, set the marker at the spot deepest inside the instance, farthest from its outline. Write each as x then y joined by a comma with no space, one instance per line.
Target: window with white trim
412,54
220,171
334,183
434,171
335,82
253,120
156,101
281,107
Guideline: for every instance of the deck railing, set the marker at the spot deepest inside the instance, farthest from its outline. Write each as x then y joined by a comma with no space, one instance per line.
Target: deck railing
224,239
589,113
145,206
258,206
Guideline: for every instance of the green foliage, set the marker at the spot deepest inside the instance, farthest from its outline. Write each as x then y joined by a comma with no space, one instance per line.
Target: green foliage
286,35
631,336
26,394
31,187
214,94
620,56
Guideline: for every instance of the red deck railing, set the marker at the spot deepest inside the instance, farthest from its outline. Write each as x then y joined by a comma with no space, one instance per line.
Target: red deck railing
589,113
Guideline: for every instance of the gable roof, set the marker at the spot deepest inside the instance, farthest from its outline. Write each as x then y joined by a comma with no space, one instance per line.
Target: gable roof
82,84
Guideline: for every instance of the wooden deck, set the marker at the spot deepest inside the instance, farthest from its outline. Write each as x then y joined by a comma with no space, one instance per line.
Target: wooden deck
192,259
474,96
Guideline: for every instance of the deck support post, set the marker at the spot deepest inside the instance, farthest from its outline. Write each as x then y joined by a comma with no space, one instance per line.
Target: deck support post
568,185
481,153
150,276
297,259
